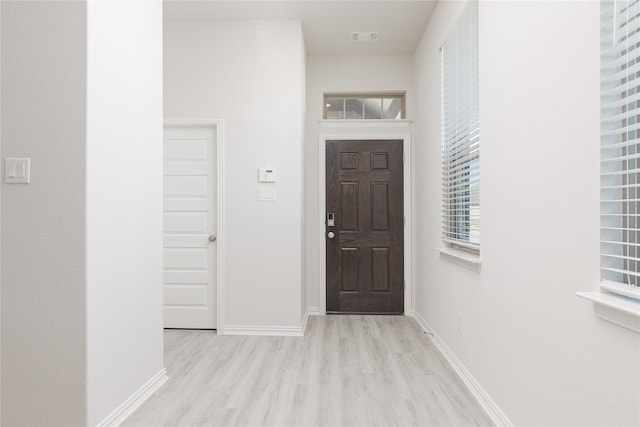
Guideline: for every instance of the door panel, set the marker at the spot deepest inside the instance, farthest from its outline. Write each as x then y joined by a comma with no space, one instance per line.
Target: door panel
187,295
349,258
365,259
189,219
380,265
380,206
349,211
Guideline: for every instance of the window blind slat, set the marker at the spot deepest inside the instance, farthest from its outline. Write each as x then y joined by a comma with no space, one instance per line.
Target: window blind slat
634,215
609,242
620,187
620,200
630,229
620,173
621,158
627,258
634,274
608,146
621,130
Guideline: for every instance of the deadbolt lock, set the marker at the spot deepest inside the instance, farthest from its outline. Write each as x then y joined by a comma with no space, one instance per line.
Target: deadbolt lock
331,219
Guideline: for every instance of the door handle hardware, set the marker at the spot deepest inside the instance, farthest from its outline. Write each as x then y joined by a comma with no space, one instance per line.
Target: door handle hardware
213,238
331,219
331,234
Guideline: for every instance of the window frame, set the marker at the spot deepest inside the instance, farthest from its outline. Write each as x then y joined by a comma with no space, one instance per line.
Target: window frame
460,139
615,301
366,95
620,148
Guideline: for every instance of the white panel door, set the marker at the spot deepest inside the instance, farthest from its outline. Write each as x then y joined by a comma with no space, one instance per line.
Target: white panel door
189,222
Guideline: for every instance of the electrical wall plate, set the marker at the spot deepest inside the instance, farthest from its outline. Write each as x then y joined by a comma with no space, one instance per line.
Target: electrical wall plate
267,194
17,170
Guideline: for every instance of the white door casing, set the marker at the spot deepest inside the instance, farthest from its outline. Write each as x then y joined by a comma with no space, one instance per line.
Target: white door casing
408,207
190,211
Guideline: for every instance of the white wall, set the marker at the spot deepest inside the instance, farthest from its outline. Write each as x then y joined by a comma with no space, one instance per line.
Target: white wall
251,74
124,201
0,219
43,223
343,73
537,349
81,284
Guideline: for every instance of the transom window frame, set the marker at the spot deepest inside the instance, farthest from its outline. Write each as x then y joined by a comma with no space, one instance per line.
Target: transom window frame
400,95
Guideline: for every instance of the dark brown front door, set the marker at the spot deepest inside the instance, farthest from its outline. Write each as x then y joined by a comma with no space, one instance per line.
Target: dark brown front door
365,260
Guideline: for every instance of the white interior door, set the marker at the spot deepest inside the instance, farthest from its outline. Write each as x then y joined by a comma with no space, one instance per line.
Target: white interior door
189,227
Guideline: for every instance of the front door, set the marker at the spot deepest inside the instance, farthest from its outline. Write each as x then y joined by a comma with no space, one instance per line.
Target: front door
364,232
190,227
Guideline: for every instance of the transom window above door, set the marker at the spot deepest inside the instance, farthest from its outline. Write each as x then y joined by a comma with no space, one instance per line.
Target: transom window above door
364,106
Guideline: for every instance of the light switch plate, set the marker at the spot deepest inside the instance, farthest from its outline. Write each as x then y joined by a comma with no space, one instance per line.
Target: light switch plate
17,170
267,194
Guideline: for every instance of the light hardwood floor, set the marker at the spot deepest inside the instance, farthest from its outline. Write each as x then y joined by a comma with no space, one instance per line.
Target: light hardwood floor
345,371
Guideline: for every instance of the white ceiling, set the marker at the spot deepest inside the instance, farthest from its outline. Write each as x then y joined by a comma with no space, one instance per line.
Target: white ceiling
326,24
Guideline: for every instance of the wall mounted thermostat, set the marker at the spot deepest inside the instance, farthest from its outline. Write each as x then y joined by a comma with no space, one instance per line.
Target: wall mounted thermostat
266,175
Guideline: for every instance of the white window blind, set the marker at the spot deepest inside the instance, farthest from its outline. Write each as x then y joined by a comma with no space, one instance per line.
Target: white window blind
461,133
620,147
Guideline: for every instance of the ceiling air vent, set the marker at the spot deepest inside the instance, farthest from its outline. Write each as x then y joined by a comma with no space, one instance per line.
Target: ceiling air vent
364,36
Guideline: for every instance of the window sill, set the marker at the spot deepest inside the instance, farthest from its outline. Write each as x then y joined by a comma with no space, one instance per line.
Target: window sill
616,309
463,258
365,123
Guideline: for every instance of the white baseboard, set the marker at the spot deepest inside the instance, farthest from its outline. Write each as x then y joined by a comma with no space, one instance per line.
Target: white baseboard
305,319
283,331
315,311
121,413
488,404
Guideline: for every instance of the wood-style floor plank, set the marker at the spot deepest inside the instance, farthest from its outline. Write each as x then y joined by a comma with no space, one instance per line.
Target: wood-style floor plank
346,371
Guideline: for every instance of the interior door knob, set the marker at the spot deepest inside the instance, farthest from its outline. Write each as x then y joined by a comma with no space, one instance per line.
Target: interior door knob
331,234
212,238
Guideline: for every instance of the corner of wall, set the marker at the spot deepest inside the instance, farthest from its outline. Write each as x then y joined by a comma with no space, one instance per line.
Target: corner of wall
124,203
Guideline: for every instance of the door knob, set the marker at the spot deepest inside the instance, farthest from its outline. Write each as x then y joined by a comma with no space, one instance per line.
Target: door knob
212,238
331,234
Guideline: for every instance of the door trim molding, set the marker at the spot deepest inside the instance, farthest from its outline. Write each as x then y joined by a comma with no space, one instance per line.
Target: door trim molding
408,213
218,126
